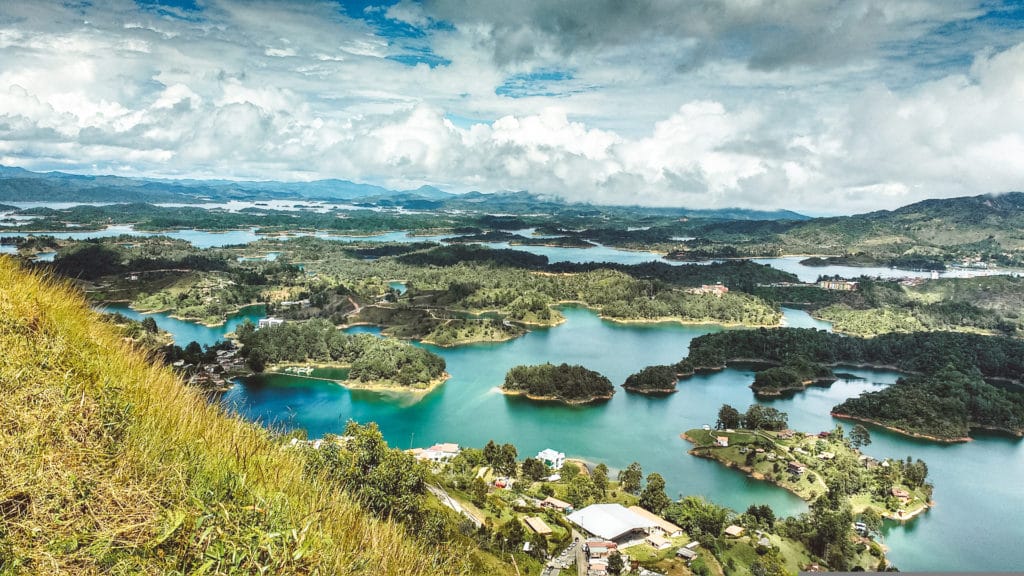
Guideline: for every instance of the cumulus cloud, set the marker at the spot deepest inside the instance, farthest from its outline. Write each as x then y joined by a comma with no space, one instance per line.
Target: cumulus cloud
761,104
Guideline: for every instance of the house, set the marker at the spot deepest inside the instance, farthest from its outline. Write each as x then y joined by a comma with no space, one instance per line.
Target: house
826,456
796,467
787,434
610,521
556,504
734,531
722,441
551,459
900,493
842,285
660,524
438,452
713,289
657,541
269,322
597,548
765,542
686,553
537,525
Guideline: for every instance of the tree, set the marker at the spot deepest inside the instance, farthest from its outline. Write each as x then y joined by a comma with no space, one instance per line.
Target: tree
600,478
581,491
534,469
653,497
478,492
630,478
569,471
615,563
149,325
872,519
506,460
491,453
859,436
760,417
728,417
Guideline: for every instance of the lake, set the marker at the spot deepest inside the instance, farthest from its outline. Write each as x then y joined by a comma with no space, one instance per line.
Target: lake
971,528
185,331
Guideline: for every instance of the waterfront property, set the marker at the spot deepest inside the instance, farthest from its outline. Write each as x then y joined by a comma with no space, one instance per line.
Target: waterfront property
551,459
269,323
437,453
659,524
734,531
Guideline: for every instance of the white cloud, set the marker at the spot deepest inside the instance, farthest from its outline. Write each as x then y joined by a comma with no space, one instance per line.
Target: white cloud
261,90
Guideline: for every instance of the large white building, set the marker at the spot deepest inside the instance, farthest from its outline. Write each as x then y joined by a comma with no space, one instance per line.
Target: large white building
269,322
551,459
611,521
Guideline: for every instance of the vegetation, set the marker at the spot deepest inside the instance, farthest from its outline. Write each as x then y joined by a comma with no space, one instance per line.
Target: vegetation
793,376
948,396
111,465
564,383
371,360
653,380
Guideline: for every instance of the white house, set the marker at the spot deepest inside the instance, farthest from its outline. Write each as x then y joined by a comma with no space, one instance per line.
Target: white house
269,323
552,459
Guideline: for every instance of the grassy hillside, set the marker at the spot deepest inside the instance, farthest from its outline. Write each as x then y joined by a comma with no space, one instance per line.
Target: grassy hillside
110,465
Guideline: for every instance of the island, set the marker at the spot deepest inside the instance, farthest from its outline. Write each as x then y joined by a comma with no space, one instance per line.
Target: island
562,383
827,464
956,382
372,362
653,380
794,376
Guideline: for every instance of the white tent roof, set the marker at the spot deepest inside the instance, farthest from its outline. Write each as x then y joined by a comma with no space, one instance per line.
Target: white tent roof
609,521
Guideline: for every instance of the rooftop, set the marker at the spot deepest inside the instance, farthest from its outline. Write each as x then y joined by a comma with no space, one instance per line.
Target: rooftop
609,521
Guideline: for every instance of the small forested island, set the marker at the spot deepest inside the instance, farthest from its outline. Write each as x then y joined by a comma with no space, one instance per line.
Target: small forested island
372,362
951,390
793,376
653,380
562,383
812,466
944,406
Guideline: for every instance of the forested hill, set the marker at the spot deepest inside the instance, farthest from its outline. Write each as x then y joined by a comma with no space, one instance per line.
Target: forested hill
946,398
112,466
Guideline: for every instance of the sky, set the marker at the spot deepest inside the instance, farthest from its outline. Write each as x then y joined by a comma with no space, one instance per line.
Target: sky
823,106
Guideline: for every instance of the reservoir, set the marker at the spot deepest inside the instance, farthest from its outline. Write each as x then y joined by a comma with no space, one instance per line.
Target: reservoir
971,528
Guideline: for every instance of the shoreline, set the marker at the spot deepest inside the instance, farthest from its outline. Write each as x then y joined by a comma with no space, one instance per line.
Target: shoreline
373,385
594,400
919,435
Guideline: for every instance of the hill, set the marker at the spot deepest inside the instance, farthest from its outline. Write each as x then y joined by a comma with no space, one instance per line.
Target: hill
108,464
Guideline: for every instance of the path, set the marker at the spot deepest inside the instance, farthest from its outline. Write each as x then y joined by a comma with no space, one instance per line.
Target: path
453,504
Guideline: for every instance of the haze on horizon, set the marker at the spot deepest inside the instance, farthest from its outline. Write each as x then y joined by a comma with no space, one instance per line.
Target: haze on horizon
821,107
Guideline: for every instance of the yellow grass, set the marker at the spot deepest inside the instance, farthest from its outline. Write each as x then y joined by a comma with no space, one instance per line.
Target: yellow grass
109,464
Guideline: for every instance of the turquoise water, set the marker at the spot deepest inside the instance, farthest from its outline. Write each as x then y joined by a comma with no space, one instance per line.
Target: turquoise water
184,331
974,526
400,286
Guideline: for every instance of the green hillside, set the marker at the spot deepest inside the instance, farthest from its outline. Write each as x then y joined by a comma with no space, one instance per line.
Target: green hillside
109,465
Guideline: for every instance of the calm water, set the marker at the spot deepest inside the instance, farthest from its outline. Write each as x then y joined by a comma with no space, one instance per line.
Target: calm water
184,331
974,526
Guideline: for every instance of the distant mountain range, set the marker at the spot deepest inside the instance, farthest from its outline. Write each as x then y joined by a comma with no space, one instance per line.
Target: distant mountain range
20,185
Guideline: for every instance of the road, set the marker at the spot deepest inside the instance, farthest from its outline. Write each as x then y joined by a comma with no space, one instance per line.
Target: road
453,504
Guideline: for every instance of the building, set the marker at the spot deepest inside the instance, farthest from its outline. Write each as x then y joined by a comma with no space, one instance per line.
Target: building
551,459
687,554
713,289
657,541
796,467
842,285
611,522
438,452
537,525
786,434
900,493
597,549
660,524
722,441
269,322
556,504
734,531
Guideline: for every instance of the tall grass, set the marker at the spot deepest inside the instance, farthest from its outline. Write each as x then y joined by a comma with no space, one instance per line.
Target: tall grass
108,464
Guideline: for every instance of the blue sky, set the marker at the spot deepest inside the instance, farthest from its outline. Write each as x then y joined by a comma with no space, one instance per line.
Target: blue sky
828,106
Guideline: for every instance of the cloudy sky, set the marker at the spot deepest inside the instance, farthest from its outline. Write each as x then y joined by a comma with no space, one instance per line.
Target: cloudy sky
823,106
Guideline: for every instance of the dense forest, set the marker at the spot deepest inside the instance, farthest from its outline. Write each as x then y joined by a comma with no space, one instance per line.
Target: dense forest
793,376
949,394
572,384
371,359
653,380
946,404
